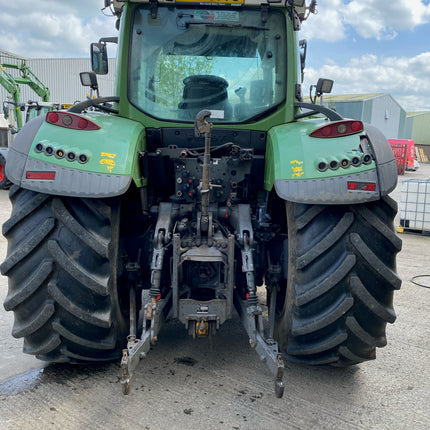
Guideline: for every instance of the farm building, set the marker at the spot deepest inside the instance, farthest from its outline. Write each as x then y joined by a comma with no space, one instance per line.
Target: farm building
417,127
60,75
380,109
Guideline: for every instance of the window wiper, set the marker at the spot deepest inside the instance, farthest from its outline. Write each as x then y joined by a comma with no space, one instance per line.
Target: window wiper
219,24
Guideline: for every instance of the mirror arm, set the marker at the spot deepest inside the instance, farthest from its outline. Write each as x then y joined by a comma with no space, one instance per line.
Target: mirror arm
108,40
329,113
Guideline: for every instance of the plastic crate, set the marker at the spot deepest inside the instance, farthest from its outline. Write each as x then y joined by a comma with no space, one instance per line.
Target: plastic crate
415,205
401,154
404,152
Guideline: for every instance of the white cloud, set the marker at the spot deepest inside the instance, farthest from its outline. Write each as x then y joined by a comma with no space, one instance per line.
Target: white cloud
49,28
378,19
327,24
406,79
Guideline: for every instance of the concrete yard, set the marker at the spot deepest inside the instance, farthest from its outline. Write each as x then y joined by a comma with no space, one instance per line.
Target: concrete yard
193,384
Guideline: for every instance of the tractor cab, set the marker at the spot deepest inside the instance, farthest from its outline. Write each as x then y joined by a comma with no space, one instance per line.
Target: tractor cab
230,61
234,58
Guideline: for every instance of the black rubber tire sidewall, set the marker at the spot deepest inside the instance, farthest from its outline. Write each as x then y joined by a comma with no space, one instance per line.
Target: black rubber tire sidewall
64,294
353,310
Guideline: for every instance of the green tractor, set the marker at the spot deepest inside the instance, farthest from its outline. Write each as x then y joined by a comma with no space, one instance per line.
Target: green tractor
205,185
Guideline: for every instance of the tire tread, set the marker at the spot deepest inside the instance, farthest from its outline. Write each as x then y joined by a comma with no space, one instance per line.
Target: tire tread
62,268
327,242
35,322
340,282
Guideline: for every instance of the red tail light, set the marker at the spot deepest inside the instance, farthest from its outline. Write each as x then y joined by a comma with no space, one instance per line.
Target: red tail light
70,120
338,129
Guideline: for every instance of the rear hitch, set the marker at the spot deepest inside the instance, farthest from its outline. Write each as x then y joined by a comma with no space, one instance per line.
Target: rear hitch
202,267
138,348
266,348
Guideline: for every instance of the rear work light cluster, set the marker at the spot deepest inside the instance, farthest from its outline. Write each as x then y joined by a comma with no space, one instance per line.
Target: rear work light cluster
344,162
61,153
70,120
338,129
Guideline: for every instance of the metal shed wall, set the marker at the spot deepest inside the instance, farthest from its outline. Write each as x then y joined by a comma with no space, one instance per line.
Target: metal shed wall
388,116
353,110
409,123
367,111
61,76
420,128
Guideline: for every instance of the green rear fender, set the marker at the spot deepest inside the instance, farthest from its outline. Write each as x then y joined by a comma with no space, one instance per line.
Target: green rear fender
293,157
102,163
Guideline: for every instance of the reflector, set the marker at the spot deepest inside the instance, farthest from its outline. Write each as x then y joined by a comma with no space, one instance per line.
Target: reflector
370,187
50,176
361,186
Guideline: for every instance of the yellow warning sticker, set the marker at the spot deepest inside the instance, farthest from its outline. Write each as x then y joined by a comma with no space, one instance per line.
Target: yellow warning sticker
107,159
296,168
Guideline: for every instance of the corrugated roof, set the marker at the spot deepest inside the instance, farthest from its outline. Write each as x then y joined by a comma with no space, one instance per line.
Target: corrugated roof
350,97
5,53
329,99
410,114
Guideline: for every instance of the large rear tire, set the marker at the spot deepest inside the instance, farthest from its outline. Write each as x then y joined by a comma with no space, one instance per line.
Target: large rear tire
340,283
63,266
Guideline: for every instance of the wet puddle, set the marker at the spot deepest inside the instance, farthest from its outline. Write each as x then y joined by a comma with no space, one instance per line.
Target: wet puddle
58,373
26,382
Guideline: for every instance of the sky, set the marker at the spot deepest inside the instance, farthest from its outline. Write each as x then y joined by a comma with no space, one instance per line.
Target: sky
365,46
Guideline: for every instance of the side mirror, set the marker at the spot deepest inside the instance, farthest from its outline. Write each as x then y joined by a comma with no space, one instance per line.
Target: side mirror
99,58
323,86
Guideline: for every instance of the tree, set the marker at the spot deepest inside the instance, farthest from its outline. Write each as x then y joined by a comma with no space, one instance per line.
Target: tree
170,73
